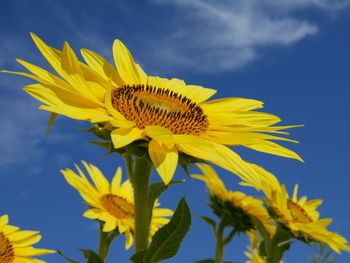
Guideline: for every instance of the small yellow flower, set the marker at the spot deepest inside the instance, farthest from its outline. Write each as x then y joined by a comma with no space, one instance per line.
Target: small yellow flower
169,114
237,205
254,257
301,217
16,245
112,203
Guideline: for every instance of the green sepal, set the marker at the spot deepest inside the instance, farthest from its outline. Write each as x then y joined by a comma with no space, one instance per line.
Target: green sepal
186,161
209,221
99,131
59,252
91,256
105,145
52,119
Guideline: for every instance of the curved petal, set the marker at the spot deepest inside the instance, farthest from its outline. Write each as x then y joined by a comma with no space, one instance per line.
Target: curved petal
231,104
161,134
4,219
108,103
115,185
92,213
197,94
217,154
129,239
30,251
98,178
164,159
102,67
125,63
274,148
124,136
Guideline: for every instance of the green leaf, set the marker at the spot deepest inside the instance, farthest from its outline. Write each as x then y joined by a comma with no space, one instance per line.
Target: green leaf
167,240
156,189
59,252
138,256
91,256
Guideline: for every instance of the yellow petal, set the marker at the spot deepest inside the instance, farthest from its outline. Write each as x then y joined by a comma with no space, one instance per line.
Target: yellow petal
125,63
30,251
108,103
217,154
52,95
92,213
143,76
197,93
98,178
102,67
28,241
109,225
129,239
74,75
231,104
164,160
21,235
73,112
4,220
161,134
115,185
274,148
49,53
45,76
124,136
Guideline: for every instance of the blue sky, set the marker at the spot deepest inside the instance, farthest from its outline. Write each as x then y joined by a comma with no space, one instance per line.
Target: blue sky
292,54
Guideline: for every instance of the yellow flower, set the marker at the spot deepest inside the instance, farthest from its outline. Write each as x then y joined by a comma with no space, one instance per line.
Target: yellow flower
172,116
254,257
112,203
301,217
16,245
237,205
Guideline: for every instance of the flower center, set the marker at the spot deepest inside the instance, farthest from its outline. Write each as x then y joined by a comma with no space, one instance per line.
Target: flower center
151,106
7,254
298,212
118,206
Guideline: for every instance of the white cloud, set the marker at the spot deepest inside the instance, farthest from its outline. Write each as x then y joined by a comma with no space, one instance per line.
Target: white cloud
214,36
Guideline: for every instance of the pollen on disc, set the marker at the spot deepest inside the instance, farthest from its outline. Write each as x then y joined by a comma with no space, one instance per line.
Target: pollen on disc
153,106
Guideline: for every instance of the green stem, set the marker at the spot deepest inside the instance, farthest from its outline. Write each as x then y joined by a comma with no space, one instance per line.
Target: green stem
219,249
139,171
102,247
275,249
105,242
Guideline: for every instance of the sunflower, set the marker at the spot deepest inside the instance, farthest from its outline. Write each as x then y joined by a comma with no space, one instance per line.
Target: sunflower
254,257
112,203
170,115
239,207
15,244
301,217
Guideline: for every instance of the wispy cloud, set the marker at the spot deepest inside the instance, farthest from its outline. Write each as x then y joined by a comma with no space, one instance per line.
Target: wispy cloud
203,36
214,36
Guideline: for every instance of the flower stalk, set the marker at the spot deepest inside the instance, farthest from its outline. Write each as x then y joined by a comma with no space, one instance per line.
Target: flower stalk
139,172
219,248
